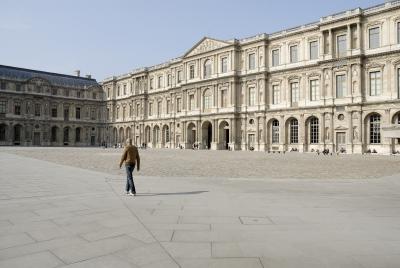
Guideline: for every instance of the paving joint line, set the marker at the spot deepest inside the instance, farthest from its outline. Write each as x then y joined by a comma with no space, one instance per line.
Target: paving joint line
144,226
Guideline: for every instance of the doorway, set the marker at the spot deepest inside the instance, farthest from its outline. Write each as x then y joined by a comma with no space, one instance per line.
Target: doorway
341,142
36,138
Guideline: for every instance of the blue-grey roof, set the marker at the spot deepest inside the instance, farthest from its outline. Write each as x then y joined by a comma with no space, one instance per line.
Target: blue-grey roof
55,79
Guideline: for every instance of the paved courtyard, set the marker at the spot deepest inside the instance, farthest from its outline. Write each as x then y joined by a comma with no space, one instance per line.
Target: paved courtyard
65,207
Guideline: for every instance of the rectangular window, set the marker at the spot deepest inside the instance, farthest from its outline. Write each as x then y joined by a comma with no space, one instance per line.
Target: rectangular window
124,89
150,109
18,87
137,109
178,105
160,82
3,107
252,96
375,83
159,108
169,80
224,98
78,113
191,102
342,45
3,85
295,92
224,65
66,92
168,106
151,84
191,71
314,90
398,83
179,76
313,50
276,92
17,108
54,112
275,57
374,38
94,95
66,114
54,91
93,114
340,86
293,54
398,33
37,109
252,61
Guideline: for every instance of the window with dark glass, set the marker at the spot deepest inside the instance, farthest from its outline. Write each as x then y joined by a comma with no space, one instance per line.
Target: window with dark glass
191,71
375,83
313,50
294,131
17,108
374,38
275,131
37,109
314,130
3,107
375,129
78,113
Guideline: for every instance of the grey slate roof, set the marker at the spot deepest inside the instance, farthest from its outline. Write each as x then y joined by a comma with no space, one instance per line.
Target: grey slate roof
55,79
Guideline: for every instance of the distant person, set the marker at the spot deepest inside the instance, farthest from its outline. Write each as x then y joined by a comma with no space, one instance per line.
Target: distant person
131,158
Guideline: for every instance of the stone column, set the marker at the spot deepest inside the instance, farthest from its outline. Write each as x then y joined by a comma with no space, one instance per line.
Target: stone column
348,37
330,42
302,134
282,134
359,37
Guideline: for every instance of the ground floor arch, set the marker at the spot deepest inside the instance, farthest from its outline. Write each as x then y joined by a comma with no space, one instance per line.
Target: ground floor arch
191,134
224,135
207,134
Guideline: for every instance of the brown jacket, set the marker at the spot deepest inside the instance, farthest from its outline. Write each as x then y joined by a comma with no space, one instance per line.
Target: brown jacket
130,156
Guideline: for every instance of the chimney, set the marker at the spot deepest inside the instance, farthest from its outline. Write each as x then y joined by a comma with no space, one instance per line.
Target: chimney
78,73
89,76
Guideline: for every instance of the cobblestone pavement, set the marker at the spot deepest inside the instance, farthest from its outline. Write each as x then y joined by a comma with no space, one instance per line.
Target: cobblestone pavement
56,215
189,163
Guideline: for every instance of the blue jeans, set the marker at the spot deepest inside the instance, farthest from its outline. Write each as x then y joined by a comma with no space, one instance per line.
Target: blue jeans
130,186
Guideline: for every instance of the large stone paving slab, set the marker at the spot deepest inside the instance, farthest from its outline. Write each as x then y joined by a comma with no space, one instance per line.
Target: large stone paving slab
55,215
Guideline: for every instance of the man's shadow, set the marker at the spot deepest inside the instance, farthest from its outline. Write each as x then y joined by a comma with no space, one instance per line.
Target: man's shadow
179,193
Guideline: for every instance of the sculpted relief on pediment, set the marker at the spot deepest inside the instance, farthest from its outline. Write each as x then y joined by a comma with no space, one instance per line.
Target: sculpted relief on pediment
205,46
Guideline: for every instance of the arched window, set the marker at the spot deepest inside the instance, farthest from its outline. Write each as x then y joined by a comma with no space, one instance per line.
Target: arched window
294,131
275,131
207,99
314,130
375,129
207,68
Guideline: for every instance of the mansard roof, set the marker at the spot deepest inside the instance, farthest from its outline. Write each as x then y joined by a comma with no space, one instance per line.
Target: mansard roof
55,79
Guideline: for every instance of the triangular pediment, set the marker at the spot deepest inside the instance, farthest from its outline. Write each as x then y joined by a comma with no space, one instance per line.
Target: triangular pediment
206,44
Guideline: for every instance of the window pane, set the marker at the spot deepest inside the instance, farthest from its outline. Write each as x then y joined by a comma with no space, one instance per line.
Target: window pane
252,96
294,131
398,33
342,45
252,61
314,50
340,86
375,83
224,65
314,90
275,131
314,130
276,94
293,54
295,92
375,129
374,39
275,57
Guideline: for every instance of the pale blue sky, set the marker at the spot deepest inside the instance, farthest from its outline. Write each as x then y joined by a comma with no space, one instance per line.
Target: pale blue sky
106,38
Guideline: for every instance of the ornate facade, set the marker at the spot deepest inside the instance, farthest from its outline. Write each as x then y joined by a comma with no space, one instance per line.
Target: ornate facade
47,109
332,84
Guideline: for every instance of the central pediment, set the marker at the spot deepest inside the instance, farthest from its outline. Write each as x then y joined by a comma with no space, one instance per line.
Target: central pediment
206,44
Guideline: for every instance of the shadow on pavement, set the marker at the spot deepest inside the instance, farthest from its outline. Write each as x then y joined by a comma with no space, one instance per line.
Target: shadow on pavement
180,193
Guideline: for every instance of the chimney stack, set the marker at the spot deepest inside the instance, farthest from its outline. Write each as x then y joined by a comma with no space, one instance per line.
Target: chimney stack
89,76
78,73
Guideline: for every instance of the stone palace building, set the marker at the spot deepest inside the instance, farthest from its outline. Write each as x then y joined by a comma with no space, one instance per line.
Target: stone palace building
332,84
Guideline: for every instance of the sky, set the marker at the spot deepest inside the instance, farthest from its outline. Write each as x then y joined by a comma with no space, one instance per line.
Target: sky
105,38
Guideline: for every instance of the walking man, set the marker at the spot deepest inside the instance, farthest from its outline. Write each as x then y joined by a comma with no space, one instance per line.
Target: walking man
131,158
